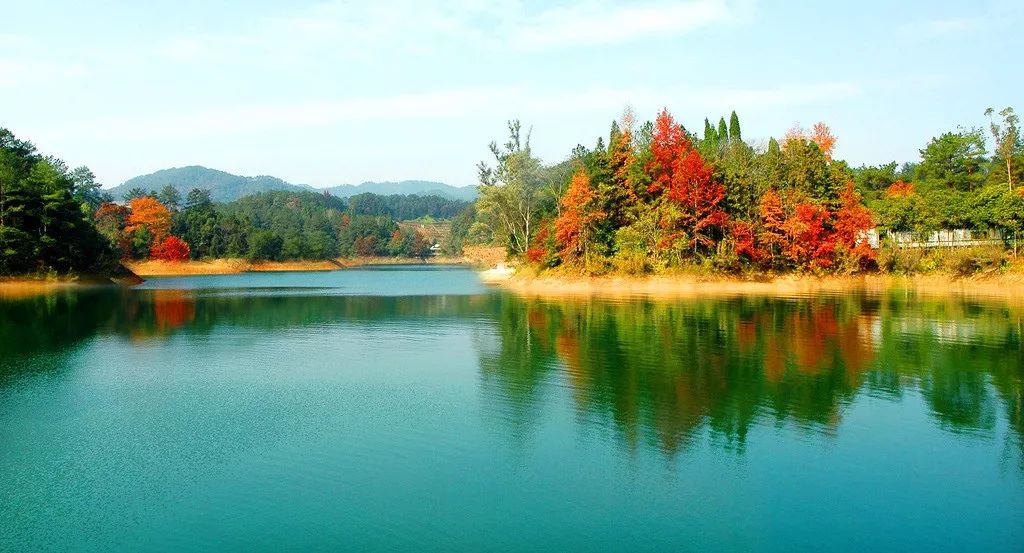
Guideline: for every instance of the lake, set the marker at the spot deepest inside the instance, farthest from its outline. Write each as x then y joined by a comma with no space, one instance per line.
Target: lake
413,408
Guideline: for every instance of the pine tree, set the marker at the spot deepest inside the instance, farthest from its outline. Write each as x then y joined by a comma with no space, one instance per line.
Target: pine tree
723,131
773,147
734,127
709,132
170,197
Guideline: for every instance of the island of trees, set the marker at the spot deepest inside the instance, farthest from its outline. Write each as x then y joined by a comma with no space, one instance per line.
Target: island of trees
656,197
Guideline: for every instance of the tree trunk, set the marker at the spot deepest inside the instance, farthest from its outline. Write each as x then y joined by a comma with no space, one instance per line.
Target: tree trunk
1009,174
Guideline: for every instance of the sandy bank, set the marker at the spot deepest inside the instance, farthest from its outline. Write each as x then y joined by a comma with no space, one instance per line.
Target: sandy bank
14,288
1009,286
232,266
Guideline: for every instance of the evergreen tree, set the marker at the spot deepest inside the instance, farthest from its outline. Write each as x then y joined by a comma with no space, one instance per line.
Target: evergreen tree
43,226
170,197
734,127
723,130
710,136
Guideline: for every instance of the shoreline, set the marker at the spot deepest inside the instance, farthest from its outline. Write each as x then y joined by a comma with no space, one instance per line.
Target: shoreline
152,268
1005,286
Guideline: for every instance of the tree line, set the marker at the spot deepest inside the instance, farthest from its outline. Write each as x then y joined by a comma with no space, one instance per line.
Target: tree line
657,196
54,219
270,226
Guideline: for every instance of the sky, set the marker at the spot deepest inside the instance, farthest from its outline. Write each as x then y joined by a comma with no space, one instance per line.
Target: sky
334,92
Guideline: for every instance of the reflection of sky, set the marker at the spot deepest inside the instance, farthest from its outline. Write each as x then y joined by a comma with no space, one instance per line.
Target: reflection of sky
403,280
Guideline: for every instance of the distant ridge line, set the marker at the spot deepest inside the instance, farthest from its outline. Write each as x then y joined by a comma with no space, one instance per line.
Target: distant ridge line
226,187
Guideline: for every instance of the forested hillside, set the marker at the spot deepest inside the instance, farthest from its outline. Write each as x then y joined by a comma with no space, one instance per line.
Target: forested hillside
226,187
223,187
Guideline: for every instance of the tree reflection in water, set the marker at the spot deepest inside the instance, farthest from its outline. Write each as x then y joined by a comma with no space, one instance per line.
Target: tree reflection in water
657,372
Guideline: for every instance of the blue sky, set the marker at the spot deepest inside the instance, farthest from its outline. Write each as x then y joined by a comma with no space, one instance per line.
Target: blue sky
337,92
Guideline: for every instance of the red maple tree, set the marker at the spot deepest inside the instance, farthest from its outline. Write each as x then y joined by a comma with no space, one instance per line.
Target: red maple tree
171,248
808,241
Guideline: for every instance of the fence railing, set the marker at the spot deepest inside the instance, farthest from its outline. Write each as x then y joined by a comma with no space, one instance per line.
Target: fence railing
950,238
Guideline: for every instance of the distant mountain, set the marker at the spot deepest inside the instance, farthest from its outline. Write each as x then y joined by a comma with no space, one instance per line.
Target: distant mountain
406,187
226,187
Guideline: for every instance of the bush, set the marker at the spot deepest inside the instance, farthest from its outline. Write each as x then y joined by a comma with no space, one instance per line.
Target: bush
968,261
171,249
632,249
956,261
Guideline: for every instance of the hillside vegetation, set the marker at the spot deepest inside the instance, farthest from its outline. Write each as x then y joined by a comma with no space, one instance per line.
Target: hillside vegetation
227,187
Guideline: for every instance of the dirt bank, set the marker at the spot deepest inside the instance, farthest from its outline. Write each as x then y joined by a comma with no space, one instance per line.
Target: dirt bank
232,266
1009,285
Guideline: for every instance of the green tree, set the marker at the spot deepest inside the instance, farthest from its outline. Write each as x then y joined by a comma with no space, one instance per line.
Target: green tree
197,197
1007,139
170,197
734,127
710,136
85,188
265,245
954,160
135,193
723,130
511,192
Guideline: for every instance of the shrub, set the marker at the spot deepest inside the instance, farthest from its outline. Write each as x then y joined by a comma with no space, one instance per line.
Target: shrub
171,248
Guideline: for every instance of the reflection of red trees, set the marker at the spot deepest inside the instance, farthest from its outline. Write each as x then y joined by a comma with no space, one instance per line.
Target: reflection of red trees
537,320
703,377
813,340
172,309
567,346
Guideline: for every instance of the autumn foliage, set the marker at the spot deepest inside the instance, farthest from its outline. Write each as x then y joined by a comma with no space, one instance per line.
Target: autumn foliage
171,248
667,198
900,189
148,213
823,137
820,134
573,226
141,228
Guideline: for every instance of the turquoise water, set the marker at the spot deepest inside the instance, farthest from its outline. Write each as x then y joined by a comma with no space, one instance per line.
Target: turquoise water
413,408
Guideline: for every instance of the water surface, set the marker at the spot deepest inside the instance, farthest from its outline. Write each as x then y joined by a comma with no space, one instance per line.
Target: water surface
411,408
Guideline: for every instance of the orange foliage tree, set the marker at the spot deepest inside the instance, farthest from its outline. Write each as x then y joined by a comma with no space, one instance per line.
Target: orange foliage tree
820,134
148,213
772,235
823,137
900,189
852,221
573,226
